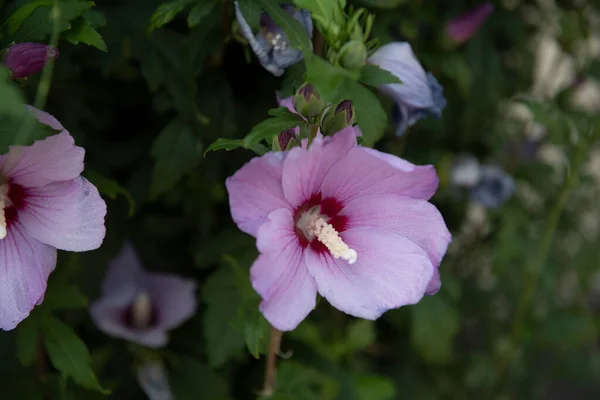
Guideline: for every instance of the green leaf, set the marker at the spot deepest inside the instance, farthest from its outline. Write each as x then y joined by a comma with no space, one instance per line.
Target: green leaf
27,340
199,12
374,76
434,325
190,377
11,126
370,115
38,24
253,324
223,299
298,382
110,188
82,32
251,10
335,84
325,11
272,127
224,144
326,77
177,152
166,12
12,101
292,28
17,18
386,4
68,353
60,295
369,387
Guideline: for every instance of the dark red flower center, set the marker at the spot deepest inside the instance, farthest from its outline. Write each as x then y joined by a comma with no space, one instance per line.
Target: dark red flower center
13,200
328,208
141,314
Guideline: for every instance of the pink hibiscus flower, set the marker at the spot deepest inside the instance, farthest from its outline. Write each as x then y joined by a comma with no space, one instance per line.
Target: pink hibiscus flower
44,205
348,222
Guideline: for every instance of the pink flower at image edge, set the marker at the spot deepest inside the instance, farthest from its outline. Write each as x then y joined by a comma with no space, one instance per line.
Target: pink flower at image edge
463,27
348,222
45,205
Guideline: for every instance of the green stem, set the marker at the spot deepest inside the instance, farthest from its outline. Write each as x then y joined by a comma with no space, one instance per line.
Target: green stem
44,86
534,269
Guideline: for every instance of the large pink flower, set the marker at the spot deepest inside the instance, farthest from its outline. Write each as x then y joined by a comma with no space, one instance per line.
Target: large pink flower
44,205
346,221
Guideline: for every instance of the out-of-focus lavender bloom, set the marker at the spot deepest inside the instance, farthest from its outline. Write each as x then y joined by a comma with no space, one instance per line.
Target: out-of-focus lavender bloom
45,204
153,380
494,188
418,95
271,45
466,172
141,306
463,27
25,59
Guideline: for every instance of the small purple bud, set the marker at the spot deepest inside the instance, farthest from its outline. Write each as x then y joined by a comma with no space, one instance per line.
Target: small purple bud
308,90
463,27
345,105
285,137
25,59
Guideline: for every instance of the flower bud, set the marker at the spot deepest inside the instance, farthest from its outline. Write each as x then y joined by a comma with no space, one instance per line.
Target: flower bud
339,117
353,54
286,139
24,59
307,101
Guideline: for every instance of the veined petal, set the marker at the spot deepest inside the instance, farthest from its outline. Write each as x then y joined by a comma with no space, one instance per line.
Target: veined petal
366,171
280,275
255,191
304,170
399,59
417,220
25,265
66,215
53,159
391,271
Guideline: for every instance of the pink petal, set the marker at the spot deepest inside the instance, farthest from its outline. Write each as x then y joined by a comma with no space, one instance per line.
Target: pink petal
280,275
365,171
46,118
287,102
25,265
174,298
304,170
255,190
66,215
53,159
463,27
417,220
390,272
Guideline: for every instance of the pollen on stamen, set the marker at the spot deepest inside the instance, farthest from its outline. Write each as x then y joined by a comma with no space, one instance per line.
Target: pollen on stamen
4,202
326,234
142,311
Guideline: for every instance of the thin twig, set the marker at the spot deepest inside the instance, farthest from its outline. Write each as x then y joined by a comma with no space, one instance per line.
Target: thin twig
40,360
271,367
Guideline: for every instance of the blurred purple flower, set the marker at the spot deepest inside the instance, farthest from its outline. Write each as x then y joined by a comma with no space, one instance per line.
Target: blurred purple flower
418,95
25,59
141,306
494,188
44,205
463,27
271,45
348,222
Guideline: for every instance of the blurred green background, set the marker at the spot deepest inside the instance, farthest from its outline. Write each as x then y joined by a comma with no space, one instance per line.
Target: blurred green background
519,310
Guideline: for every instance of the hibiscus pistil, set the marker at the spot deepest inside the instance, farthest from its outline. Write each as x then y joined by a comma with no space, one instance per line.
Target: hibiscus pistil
314,226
